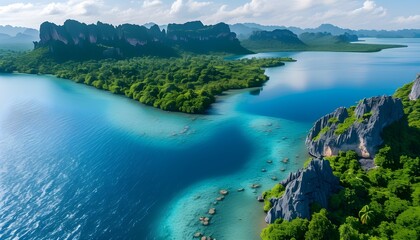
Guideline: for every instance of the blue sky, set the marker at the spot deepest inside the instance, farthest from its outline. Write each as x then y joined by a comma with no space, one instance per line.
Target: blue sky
355,14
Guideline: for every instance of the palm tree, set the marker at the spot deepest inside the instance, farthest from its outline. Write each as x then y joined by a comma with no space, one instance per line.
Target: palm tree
365,214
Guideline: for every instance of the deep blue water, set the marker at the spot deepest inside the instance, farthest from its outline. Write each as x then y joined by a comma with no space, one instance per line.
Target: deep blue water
319,82
78,163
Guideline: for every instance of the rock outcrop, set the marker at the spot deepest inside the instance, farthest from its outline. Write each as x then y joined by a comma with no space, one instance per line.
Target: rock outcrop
127,40
314,184
325,38
415,90
199,38
280,35
358,129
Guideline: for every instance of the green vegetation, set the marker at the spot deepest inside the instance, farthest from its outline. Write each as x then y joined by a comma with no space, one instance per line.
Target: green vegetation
275,46
276,192
342,127
367,115
411,108
333,120
186,84
306,163
322,132
320,227
281,229
382,203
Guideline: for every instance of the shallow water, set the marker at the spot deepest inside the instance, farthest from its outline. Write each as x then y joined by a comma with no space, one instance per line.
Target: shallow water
76,162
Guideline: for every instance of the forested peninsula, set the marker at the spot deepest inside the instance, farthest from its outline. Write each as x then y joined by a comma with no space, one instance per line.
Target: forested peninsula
286,40
181,69
353,193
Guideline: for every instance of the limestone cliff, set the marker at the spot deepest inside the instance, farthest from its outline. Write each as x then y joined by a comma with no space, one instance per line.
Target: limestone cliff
78,40
358,129
281,35
313,184
415,90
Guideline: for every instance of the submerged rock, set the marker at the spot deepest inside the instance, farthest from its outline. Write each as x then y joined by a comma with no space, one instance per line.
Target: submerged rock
220,198
357,129
313,184
255,185
198,234
223,192
415,90
212,211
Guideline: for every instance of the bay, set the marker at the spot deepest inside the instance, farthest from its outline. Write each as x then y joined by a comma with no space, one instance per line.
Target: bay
80,163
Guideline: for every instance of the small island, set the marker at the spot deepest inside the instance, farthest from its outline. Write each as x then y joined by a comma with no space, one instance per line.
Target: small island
285,40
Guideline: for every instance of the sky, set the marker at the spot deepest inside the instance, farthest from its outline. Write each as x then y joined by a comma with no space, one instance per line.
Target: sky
354,14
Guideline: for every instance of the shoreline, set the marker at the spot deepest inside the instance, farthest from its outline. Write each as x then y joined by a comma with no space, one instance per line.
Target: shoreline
239,210
371,48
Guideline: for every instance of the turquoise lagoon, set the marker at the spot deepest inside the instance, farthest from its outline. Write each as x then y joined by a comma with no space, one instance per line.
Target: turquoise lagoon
80,163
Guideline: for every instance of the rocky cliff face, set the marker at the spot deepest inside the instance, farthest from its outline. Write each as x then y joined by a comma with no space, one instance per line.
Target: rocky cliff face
415,90
198,38
76,33
314,184
358,129
101,40
325,38
197,31
284,36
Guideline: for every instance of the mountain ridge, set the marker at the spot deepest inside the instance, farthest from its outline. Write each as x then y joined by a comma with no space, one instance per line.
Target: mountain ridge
244,30
76,40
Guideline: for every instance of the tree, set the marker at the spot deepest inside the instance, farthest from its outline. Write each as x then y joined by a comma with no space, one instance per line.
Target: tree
321,227
365,214
410,219
349,230
280,230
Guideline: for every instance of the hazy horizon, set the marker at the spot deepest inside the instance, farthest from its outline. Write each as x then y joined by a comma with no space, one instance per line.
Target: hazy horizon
267,25
353,14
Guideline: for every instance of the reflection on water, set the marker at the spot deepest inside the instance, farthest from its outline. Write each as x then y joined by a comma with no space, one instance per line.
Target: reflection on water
319,82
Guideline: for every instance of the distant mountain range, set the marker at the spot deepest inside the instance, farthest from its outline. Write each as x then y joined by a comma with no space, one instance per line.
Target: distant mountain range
286,40
244,30
13,31
75,40
19,38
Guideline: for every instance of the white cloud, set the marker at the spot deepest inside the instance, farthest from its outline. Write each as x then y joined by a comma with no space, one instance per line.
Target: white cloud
195,6
176,6
15,8
73,8
303,13
151,3
370,7
86,7
409,19
189,6
54,9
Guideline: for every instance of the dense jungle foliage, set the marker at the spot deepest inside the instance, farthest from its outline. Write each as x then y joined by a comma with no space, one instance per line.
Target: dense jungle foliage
187,84
382,203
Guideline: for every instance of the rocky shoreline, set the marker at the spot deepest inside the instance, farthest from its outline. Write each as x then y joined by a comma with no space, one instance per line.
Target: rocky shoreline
357,129
313,184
